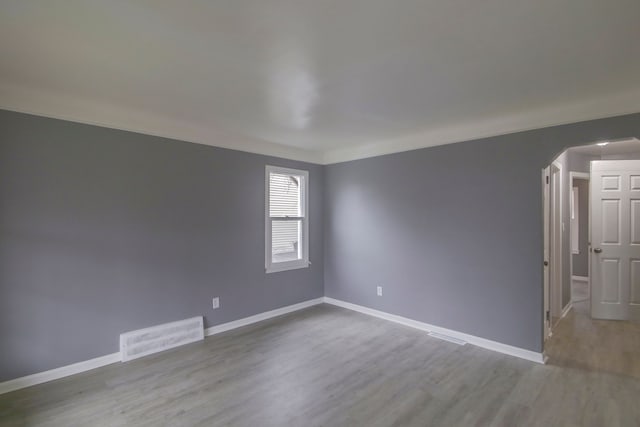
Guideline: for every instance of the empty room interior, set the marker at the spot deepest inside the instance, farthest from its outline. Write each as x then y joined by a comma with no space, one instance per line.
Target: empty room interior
297,213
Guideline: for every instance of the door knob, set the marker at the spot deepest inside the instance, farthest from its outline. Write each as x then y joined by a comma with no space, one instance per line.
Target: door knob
597,250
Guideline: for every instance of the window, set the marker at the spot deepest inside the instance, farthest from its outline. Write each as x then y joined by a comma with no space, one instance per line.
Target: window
286,219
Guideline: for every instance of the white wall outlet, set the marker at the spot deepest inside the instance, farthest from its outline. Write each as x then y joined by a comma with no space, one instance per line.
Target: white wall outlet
379,291
216,303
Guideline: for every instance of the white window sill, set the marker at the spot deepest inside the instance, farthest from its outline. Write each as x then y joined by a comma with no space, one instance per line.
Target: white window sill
276,268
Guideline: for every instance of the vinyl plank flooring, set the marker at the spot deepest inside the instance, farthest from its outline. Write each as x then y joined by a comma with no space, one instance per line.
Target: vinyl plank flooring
326,366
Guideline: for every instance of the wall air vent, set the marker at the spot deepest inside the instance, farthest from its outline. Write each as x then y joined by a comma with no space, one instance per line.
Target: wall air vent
151,340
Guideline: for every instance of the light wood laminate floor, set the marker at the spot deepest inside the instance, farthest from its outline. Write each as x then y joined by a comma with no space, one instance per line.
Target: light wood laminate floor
327,366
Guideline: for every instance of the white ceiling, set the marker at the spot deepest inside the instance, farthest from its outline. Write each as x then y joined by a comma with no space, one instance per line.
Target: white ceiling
626,146
321,80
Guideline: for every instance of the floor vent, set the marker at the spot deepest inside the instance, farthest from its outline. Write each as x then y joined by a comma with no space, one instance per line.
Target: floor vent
151,340
447,338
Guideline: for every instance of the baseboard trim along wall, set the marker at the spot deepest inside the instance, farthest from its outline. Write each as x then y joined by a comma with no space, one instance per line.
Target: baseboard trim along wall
57,373
566,310
471,339
87,365
224,327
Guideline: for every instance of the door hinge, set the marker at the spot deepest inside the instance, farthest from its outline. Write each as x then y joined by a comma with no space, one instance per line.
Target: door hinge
547,178
548,316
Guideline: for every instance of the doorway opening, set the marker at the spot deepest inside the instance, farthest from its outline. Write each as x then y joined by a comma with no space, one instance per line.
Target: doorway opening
579,217
591,214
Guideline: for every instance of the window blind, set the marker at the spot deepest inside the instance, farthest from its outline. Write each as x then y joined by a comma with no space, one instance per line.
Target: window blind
285,211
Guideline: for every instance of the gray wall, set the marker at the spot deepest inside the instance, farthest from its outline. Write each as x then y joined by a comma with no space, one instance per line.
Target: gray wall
579,162
104,231
453,233
581,260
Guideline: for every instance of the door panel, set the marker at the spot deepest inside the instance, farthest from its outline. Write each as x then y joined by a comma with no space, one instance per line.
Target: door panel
635,222
611,281
615,238
635,281
611,222
611,183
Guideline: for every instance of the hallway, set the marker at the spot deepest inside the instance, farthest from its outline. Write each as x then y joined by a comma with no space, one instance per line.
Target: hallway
594,345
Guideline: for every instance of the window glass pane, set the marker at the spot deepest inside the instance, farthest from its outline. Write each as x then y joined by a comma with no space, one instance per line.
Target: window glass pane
284,195
286,237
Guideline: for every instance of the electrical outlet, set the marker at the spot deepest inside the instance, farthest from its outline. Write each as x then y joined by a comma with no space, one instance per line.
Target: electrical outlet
216,303
379,291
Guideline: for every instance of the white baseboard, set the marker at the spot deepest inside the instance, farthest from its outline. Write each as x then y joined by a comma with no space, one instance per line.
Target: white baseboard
471,339
87,365
217,329
580,278
57,373
566,310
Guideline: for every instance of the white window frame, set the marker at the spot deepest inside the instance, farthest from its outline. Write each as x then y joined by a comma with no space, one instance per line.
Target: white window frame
271,267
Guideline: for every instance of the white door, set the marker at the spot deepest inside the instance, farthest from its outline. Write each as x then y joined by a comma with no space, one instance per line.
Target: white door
615,239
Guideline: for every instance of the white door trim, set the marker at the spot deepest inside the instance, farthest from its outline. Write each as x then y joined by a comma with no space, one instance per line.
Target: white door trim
580,175
555,241
546,172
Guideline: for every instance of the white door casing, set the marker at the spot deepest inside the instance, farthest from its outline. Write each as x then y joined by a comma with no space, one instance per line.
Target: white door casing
555,245
615,239
545,265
